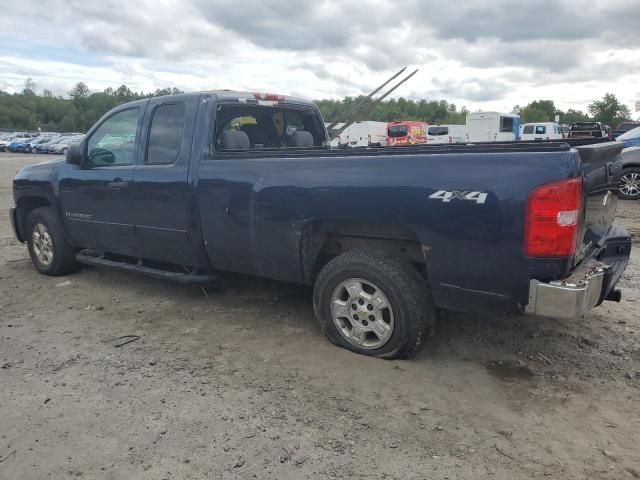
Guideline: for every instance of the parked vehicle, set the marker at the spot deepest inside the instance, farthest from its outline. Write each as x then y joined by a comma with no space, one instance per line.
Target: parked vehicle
34,142
624,127
540,131
43,146
447,134
630,179
385,235
406,133
361,134
17,145
61,147
631,138
493,127
588,130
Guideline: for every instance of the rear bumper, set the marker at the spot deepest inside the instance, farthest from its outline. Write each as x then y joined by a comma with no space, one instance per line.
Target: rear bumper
589,284
15,225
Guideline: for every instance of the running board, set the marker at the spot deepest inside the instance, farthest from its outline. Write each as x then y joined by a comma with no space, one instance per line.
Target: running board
94,259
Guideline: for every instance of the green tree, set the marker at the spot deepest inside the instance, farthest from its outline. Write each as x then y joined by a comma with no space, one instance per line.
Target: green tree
79,90
609,110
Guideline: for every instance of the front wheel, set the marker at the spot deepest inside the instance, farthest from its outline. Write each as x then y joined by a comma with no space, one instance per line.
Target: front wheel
373,303
630,184
50,253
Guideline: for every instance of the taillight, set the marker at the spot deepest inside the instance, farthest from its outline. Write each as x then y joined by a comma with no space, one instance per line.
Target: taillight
269,97
552,215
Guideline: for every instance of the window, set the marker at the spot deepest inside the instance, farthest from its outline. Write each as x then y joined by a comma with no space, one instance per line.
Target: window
396,131
436,131
165,134
506,124
527,130
541,129
265,127
113,143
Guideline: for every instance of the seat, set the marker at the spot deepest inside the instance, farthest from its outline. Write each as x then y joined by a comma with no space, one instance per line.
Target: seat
234,140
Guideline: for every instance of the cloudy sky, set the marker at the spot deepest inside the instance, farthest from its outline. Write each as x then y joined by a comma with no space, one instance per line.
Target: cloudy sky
482,54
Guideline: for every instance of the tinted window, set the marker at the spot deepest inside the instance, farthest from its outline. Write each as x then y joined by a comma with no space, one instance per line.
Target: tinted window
541,129
113,143
165,134
398,131
528,129
435,131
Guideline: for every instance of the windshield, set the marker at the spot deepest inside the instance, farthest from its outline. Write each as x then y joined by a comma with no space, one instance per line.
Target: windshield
635,133
398,131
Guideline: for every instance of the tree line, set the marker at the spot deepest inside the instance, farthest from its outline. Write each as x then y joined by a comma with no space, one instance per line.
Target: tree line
29,110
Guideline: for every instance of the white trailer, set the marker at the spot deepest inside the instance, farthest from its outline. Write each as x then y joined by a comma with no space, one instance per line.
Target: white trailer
361,134
493,127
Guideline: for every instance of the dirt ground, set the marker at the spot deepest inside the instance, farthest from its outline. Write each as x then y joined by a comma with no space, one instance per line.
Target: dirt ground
240,384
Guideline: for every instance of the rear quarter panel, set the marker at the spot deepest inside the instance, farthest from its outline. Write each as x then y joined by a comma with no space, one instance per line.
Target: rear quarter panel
255,211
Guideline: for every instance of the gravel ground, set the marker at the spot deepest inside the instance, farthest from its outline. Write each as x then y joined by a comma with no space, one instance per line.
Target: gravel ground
239,384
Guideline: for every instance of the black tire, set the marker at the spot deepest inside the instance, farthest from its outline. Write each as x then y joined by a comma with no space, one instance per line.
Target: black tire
407,292
632,173
64,256
64,152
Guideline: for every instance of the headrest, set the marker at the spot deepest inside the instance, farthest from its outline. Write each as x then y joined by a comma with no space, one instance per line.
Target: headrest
301,138
234,140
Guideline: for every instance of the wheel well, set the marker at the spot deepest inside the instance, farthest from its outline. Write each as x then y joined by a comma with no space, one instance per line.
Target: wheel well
27,205
329,243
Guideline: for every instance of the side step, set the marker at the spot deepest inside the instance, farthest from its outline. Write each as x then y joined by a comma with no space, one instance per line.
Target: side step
96,259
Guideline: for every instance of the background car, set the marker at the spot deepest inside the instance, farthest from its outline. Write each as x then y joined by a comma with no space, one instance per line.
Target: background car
630,138
630,179
60,148
18,145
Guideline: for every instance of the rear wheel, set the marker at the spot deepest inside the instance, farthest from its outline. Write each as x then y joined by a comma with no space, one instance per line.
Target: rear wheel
49,250
630,184
373,303
64,152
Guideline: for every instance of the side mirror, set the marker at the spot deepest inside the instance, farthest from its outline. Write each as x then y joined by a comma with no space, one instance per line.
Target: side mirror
74,154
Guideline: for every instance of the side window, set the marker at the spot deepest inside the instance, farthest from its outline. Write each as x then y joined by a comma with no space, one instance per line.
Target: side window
528,129
165,134
506,124
113,143
541,129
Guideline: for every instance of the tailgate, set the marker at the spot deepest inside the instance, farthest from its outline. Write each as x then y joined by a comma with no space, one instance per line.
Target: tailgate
602,167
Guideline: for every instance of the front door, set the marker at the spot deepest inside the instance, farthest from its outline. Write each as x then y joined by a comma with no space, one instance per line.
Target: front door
97,196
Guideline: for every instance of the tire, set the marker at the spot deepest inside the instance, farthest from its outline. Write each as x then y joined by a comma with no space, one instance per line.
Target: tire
630,183
383,279
45,240
64,152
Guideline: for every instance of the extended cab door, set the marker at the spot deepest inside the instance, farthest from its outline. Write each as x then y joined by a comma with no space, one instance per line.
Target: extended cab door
97,196
161,193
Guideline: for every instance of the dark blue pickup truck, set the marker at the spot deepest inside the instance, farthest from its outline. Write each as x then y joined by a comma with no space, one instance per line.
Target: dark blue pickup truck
187,186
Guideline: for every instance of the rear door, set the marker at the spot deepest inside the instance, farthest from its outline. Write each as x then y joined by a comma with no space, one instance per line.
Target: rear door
161,189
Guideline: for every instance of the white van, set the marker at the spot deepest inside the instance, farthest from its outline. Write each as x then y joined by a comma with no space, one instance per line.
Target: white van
361,134
493,127
540,131
447,134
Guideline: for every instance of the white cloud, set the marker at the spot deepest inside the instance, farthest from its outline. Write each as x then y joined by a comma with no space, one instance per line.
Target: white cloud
489,55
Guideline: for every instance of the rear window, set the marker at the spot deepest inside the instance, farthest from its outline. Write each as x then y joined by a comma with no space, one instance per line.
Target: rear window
635,133
528,129
241,128
395,131
541,129
436,131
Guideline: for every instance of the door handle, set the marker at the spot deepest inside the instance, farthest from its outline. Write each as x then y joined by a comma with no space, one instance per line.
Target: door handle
117,184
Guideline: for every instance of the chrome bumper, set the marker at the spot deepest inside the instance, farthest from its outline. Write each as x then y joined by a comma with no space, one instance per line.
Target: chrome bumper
572,297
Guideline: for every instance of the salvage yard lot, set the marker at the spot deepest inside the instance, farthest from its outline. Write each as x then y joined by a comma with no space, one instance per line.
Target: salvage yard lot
239,383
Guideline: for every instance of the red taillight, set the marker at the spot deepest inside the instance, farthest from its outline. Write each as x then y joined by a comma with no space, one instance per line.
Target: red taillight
552,214
269,96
